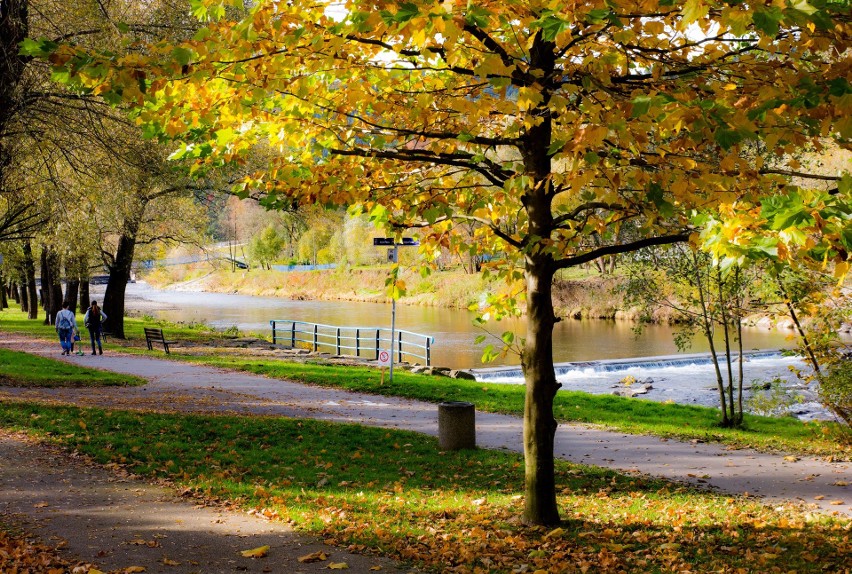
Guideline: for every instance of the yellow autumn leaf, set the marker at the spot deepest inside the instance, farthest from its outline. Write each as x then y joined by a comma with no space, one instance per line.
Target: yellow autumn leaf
376,568
95,571
317,556
669,546
837,502
338,566
258,552
134,569
555,532
791,458
169,562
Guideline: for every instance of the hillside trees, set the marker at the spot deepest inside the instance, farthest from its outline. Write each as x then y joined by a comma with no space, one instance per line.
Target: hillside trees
551,125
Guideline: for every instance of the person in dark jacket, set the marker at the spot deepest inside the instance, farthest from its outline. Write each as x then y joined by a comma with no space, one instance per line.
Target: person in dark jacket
93,321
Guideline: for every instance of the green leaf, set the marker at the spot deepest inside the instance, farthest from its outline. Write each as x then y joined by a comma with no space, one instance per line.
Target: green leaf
727,138
641,105
182,56
406,12
598,16
551,27
508,337
768,20
479,339
37,48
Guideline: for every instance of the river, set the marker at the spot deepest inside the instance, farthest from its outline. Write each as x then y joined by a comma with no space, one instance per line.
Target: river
610,342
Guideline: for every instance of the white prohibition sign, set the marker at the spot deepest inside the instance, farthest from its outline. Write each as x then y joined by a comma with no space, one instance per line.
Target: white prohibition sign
384,358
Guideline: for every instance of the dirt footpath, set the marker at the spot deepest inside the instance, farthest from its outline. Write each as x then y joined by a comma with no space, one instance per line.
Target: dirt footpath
115,522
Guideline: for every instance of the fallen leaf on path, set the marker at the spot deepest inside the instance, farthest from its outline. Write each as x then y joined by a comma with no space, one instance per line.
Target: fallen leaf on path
841,483
317,556
258,552
40,505
338,566
168,562
791,458
837,502
375,568
134,570
818,497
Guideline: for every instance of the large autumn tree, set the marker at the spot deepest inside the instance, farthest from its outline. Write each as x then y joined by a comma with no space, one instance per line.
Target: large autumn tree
564,131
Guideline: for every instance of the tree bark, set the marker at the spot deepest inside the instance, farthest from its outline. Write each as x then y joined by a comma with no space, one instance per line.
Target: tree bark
15,293
85,301
72,288
4,302
119,273
541,388
55,285
29,275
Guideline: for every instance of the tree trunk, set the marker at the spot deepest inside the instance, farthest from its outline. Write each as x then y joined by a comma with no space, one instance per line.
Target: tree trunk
53,289
85,302
72,288
44,288
119,273
29,275
15,293
4,302
541,387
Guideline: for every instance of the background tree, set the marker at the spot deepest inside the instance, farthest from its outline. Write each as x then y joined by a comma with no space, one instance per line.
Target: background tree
550,124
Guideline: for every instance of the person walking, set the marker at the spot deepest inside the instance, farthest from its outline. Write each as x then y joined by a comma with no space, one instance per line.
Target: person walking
66,326
93,321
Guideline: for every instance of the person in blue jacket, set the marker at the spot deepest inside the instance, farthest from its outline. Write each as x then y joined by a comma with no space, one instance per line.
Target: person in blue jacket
66,326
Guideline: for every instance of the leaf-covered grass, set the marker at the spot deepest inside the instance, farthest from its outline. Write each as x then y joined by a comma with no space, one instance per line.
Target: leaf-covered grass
26,370
634,416
395,492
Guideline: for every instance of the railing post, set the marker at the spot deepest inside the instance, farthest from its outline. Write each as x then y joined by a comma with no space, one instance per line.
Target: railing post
316,337
378,342
400,347
357,342
293,335
274,340
338,340
428,351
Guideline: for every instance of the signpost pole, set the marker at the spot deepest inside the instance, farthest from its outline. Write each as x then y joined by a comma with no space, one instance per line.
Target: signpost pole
408,242
393,317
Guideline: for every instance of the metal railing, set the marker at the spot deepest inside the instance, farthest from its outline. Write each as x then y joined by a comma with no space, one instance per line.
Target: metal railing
358,341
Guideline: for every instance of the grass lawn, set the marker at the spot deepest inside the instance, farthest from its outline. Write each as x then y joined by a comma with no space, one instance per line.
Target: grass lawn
26,370
396,493
633,416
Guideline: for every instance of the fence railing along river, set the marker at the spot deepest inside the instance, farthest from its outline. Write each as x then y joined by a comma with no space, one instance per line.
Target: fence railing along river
406,345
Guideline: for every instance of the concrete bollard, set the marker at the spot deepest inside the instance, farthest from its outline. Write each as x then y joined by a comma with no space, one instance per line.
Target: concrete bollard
456,425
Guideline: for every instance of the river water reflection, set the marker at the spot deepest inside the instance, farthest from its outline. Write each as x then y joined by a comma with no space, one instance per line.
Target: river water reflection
453,330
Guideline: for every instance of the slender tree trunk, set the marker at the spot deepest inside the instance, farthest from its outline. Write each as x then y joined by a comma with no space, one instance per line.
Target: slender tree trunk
53,290
29,275
720,285
739,324
4,302
44,288
707,321
16,294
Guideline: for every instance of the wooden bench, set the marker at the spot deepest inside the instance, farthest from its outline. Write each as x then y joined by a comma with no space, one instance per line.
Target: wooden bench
156,336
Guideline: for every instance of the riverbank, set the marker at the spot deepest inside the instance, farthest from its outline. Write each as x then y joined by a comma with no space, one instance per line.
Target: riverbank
577,294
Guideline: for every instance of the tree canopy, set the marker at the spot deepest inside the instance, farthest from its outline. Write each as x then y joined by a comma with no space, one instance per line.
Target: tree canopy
565,131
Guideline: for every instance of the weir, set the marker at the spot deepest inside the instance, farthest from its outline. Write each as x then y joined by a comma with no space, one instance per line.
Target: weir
616,365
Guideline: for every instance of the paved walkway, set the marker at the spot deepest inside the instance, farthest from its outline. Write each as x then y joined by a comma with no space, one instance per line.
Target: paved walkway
816,482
